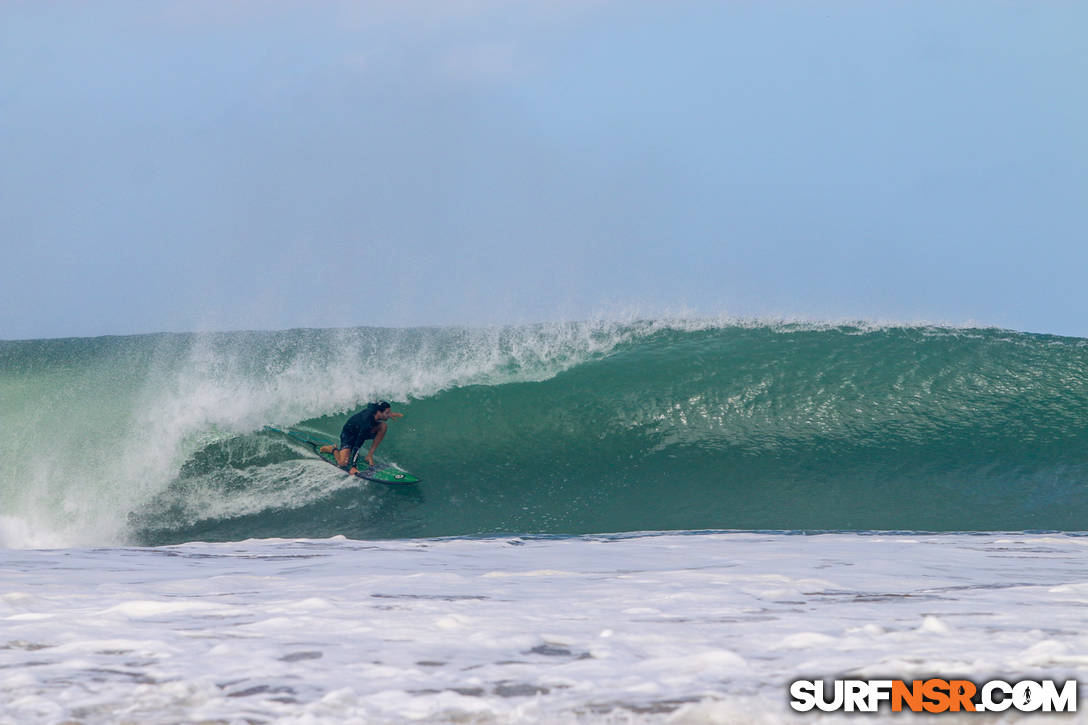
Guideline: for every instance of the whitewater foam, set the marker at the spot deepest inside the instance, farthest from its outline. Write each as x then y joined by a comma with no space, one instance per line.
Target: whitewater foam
693,627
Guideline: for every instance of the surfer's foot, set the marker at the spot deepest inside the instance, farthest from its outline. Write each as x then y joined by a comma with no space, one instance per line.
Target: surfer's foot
327,449
353,470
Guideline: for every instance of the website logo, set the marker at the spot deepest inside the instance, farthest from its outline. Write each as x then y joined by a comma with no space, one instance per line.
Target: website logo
935,695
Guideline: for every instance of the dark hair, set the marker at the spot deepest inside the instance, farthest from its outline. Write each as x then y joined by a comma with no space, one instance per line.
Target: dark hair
382,405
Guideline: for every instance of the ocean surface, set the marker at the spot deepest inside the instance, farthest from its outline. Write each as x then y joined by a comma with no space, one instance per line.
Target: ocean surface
641,521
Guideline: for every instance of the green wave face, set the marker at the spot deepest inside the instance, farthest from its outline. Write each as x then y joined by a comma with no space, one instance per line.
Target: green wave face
646,426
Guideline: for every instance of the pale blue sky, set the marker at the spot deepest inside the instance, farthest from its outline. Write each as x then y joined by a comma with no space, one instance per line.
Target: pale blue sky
182,165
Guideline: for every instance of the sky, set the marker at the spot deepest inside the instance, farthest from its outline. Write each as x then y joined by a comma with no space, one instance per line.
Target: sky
187,165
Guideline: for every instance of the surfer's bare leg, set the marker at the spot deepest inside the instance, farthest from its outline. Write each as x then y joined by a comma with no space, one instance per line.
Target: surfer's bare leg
339,454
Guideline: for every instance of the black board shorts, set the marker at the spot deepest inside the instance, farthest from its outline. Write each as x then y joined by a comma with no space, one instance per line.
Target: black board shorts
352,437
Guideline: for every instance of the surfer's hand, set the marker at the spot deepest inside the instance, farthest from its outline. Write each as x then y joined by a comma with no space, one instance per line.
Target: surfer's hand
370,460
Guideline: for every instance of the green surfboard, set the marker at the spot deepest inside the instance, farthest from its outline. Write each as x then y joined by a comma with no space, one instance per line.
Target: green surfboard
380,472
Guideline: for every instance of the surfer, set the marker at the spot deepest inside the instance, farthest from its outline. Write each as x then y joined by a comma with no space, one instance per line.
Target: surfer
364,425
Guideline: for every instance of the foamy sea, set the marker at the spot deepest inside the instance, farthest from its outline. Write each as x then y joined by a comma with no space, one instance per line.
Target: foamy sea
677,628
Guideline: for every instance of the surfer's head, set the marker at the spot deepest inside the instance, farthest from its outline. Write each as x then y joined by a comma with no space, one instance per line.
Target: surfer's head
383,410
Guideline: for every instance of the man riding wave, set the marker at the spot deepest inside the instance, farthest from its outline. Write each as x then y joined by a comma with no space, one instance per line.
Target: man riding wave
364,425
